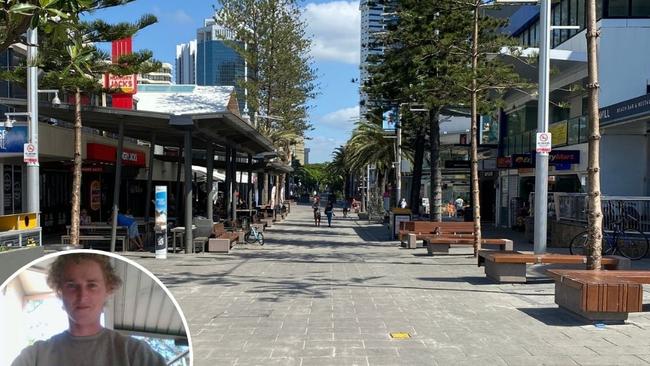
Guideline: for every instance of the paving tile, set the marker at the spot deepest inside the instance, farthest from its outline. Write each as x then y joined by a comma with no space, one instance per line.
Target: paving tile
326,296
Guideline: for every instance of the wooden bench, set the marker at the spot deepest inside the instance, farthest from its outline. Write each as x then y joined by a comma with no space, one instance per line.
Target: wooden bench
511,266
422,229
600,295
222,240
65,239
438,244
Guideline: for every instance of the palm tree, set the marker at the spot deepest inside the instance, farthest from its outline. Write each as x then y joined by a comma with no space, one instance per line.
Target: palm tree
73,63
369,145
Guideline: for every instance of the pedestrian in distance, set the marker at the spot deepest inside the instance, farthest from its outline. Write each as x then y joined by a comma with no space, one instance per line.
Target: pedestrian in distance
329,212
316,208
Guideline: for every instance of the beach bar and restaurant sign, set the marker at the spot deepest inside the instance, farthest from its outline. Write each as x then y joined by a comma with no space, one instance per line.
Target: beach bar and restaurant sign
625,110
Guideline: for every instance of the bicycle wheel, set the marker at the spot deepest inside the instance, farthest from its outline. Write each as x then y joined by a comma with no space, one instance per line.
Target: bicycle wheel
632,243
578,244
250,239
260,238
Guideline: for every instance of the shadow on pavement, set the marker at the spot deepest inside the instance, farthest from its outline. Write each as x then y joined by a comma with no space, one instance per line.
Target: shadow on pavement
555,317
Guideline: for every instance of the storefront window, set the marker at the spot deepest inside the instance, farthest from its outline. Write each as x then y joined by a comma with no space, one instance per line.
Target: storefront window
573,16
556,20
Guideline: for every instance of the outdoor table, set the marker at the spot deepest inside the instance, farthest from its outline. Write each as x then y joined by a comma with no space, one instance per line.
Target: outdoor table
178,231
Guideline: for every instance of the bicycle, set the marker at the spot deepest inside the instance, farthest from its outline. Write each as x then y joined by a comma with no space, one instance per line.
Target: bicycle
629,242
252,236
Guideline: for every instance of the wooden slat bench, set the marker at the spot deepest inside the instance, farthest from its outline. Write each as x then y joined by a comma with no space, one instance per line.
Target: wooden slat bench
65,239
511,266
223,240
600,295
438,244
421,229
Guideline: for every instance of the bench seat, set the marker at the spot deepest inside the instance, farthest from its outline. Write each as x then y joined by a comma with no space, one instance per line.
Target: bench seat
600,295
422,229
442,243
222,240
510,266
65,239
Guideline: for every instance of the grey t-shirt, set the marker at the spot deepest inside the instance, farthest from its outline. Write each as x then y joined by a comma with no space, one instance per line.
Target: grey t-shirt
106,348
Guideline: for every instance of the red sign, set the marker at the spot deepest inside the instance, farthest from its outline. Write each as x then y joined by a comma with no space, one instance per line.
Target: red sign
95,195
504,162
106,153
126,84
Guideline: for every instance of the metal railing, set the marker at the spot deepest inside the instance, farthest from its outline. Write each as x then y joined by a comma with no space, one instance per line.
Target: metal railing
632,212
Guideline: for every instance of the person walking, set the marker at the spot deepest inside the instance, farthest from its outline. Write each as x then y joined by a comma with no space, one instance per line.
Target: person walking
316,207
329,212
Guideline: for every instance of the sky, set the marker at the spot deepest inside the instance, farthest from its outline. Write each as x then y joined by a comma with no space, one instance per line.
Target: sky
333,25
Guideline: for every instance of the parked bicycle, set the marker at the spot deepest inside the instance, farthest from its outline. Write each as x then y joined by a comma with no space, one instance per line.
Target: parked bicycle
252,236
629,242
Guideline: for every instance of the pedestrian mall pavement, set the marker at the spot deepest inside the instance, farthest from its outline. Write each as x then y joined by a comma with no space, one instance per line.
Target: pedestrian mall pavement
332,296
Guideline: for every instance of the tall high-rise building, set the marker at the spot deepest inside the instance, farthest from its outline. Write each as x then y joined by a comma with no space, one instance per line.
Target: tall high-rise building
373,20
217,63
186,63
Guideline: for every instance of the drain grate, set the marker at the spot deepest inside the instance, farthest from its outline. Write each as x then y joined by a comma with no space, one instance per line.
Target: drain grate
400,335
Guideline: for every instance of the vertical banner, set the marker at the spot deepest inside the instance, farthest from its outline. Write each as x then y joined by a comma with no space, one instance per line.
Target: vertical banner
160,223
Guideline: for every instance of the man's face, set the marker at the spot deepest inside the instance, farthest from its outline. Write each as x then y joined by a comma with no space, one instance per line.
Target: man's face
84,292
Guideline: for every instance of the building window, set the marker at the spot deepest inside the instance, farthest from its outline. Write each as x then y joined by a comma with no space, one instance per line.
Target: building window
640,8
618,8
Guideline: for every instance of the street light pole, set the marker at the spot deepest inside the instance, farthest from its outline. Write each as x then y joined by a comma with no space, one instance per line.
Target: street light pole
541,164
32,169
398,168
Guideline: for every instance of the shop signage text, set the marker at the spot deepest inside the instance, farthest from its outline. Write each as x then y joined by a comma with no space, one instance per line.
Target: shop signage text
457,164
631,107
106,153
126,84
556,157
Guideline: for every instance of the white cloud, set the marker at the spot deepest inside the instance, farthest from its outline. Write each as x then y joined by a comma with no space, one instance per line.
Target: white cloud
336,28
345,117
321,148
181,17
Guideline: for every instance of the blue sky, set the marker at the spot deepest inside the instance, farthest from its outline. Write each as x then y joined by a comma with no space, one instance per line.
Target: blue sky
334,26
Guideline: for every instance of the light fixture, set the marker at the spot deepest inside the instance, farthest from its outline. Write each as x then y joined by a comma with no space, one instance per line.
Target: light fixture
9,123
56,100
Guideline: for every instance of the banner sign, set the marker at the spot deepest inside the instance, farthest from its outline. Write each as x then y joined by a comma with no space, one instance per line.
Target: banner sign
13,140
160,221
390,119
559,133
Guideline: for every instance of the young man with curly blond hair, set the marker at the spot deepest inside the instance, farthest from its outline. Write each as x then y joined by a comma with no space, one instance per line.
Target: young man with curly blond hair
83,282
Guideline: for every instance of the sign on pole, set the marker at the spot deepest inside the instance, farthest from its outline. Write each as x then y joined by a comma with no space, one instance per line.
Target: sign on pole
30,153
543,142
160,222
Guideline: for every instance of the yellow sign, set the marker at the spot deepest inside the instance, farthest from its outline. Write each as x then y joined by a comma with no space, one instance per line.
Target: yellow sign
18,222
400,335
559,133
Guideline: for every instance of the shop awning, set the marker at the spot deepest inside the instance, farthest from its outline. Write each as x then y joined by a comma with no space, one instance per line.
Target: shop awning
207,128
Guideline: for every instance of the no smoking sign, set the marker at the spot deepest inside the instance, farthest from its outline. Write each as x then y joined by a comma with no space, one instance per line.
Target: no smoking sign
30,154
543,142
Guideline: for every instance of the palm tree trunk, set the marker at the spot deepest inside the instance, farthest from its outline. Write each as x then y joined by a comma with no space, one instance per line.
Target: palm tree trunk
418,159
76,175
476,203
594,216
435,203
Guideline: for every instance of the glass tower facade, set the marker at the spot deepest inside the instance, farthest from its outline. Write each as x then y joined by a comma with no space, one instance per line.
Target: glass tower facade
217,64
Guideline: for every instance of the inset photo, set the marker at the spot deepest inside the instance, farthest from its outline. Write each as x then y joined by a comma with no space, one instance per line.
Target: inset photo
86,307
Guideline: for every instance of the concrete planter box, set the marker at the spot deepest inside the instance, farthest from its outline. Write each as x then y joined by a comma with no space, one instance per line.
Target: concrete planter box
13,259
363,215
